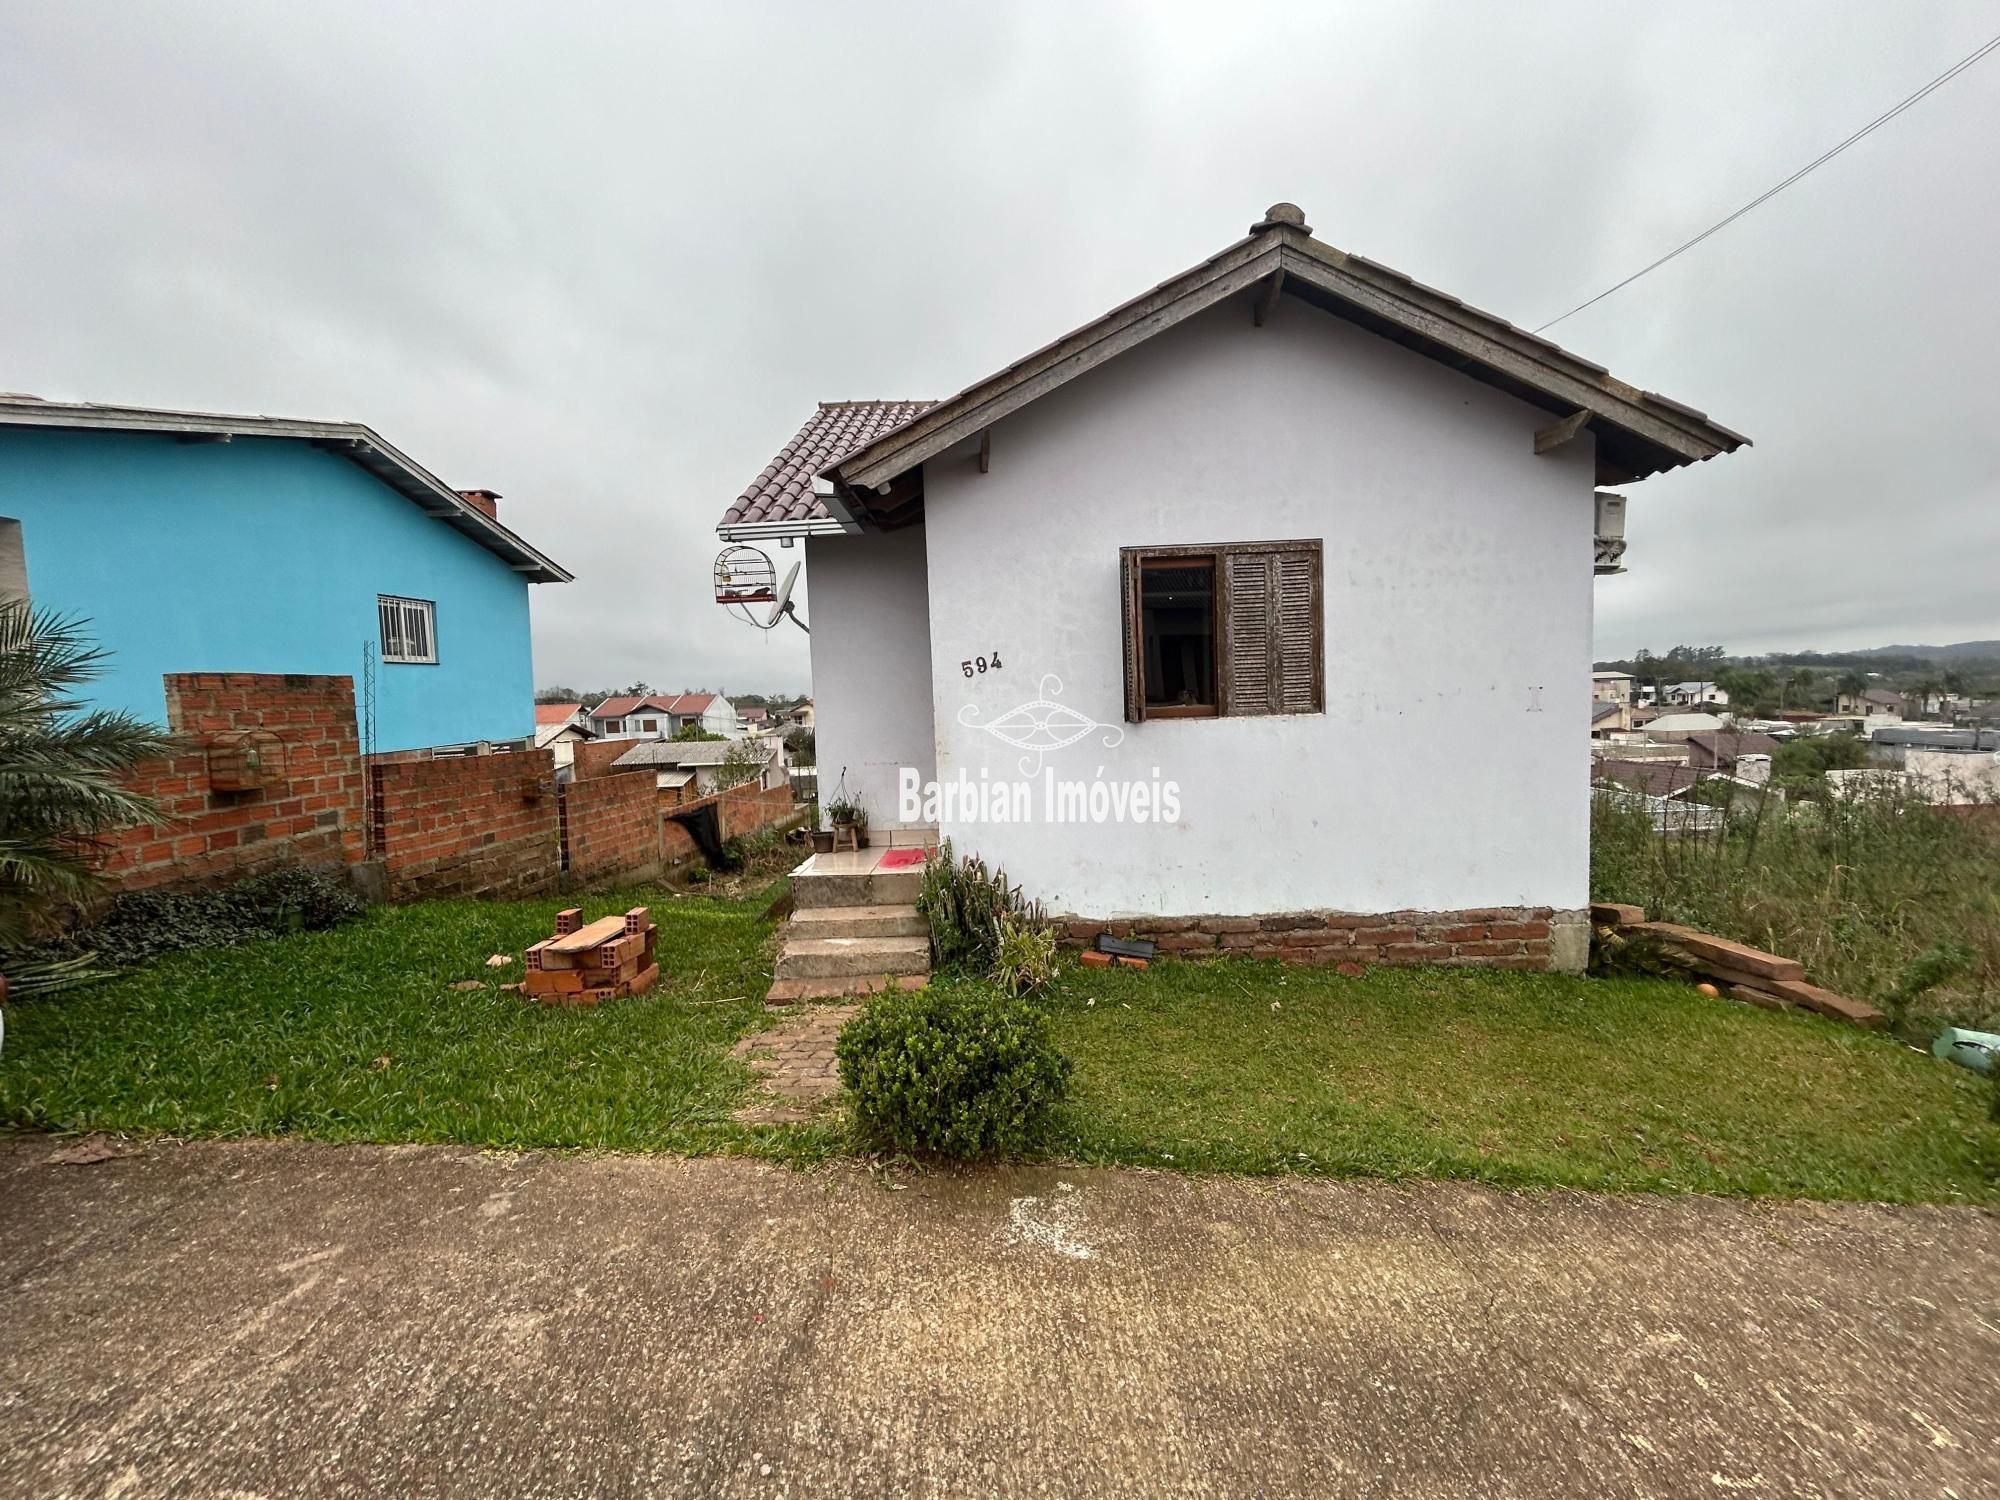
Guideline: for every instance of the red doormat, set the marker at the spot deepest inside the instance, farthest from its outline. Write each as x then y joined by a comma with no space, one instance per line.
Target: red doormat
900,859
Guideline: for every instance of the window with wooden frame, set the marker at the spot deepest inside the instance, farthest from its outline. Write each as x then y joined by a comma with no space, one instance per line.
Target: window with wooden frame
1222,631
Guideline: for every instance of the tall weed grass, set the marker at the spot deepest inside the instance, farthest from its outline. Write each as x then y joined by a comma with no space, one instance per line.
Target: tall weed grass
1882,897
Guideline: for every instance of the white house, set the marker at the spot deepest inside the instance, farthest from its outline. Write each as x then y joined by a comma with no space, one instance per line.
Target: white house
1696,695
558,728
1612,687
661,716
1193,612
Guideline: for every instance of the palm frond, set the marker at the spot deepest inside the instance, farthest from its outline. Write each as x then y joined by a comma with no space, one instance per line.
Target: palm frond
63,768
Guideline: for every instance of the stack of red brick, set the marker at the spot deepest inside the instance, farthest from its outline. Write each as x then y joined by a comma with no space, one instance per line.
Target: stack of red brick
609,959
1746,973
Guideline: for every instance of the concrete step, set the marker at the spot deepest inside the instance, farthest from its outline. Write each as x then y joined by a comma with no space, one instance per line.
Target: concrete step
811,889
793,991
853,958
856,921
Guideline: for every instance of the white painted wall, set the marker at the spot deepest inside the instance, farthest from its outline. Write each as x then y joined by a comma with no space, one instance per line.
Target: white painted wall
1954,777
871,665
1447,772
720,718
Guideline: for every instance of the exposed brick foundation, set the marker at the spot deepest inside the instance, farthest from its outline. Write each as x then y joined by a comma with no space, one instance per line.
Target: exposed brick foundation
1496,937
310,816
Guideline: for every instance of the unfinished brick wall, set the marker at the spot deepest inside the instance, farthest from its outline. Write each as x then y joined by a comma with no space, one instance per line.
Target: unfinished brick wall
613,825
476,825
1510,937
486,825
594,758
311,815
747,808
741,810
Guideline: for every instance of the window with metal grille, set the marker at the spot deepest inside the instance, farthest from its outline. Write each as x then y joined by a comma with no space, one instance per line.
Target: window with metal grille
1222,631
409,632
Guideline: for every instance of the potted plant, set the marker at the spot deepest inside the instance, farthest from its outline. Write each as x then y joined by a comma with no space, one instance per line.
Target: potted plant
822,838
844,812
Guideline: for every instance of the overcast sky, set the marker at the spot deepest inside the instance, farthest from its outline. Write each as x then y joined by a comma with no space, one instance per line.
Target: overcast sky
604,259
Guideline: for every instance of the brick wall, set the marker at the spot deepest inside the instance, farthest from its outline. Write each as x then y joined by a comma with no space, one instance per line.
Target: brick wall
749,807
594,758
311,816
475,825
614,827
487,825
1514,937
741,810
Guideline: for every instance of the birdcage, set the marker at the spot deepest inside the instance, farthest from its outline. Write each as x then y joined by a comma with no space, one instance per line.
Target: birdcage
743,575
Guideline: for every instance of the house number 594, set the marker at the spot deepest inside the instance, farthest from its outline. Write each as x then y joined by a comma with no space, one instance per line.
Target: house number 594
981,664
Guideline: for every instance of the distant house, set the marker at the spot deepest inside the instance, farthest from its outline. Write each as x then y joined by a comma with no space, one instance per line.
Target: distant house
1608,718
664,715
1695,695
196,542
1666,781
633,716
1872,703
1654,778
754,718
1722,752
1672,728
1612,687
559,727
695,766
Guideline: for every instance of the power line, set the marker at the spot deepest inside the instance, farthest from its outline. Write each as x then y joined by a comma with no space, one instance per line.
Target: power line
1818,161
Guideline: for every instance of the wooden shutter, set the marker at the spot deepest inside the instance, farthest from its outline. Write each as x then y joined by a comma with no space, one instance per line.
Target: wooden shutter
1301,671
1251,666
1128,595
1272,652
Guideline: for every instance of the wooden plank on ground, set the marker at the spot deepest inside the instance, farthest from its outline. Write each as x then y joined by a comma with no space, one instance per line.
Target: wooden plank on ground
602,931
1740,956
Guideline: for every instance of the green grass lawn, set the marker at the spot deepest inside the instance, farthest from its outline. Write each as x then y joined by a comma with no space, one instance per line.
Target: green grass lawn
358,1035
1513,1079
1519,1080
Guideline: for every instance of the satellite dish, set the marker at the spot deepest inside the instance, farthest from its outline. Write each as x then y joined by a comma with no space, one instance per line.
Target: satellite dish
782,605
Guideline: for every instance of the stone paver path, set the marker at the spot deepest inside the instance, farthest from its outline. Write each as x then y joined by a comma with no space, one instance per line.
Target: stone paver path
795,1062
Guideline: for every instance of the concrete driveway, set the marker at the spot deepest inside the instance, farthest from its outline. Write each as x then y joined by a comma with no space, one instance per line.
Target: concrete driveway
296,1320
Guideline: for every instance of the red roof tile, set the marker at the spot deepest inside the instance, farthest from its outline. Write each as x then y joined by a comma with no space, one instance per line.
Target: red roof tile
555,713
617,708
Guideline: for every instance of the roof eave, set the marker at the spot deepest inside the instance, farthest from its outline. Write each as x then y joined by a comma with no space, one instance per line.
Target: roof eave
753,531
353,441
1644,433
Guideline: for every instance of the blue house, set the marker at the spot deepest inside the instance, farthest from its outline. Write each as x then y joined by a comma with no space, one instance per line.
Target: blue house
201,543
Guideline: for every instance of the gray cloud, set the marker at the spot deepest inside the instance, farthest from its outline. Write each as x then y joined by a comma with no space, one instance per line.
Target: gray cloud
604,260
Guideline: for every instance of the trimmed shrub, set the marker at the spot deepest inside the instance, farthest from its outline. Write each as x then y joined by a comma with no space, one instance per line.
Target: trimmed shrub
953,1071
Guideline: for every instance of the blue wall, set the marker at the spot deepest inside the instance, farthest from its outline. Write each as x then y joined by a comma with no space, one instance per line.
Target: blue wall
264,555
